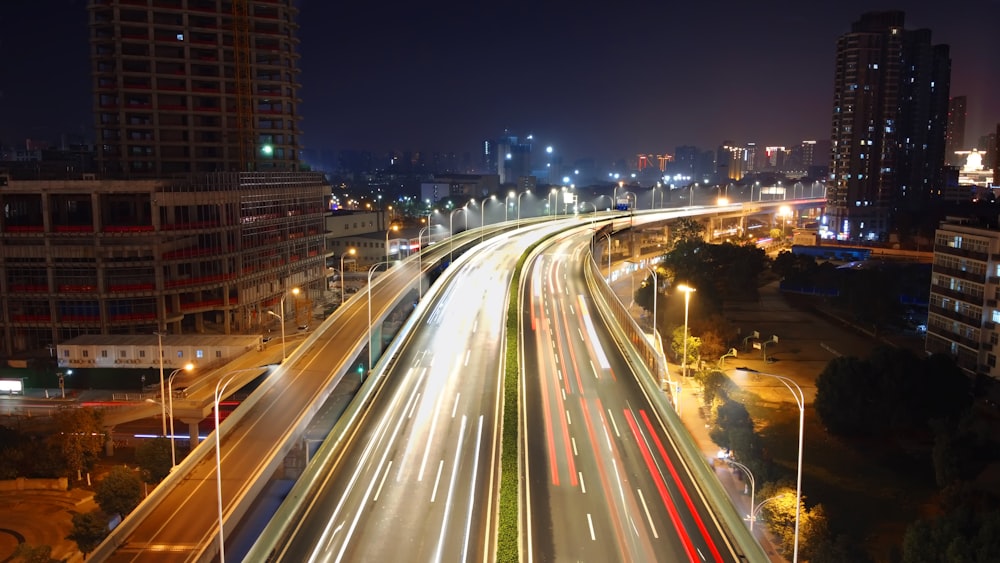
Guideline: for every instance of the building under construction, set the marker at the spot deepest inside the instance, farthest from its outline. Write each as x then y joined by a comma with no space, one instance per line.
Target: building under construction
207,254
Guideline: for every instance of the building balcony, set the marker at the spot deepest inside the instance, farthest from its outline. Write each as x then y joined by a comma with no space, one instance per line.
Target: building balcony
961,274
952,337
955,316
965,253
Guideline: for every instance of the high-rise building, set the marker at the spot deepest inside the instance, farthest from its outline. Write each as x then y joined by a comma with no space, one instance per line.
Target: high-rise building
963,317
184,86
890,107
955,136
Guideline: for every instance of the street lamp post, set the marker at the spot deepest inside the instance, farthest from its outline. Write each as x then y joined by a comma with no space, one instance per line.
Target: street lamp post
519,206
420,266
482,218
220,389
752,486
691,196
506,205
800,400
350,251
687,299
451,230
163,408
387,231
371,271
553,201
281,317
608,236
170,398
755,510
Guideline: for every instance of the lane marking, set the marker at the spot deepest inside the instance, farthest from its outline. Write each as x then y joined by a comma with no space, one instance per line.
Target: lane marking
590,522
649,517
437,480
472,491
451,491
385,474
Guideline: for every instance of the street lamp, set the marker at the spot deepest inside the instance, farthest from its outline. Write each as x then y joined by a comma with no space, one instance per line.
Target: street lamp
170,397
482,218
754,510
62,383
800,400
691,196
752,487
519,206
553,201
281,317
506,205
608,236
687,299
451,230
220,389
163,408
370,272
387,231
350,251
420,266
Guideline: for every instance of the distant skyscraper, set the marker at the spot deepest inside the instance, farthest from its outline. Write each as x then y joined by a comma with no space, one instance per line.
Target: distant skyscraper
889,120
955,139
194,86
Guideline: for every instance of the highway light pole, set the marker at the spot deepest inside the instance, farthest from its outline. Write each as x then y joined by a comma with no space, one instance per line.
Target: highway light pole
687,299
482,218
371,352
800,400
451,230
170,397
220,389
608,236
281,317
519,206
506,205
159,345
350,251
387,231
420,266
752,486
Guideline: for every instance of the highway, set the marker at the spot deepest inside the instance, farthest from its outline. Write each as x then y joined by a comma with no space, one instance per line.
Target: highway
181,523
419,479
603,479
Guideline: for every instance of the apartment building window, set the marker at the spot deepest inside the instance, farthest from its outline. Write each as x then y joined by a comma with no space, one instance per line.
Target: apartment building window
991,360
104,353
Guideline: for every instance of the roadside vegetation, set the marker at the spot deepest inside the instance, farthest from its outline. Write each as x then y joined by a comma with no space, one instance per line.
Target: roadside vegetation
899,435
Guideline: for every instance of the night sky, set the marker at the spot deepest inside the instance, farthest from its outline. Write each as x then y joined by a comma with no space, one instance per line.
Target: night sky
605,81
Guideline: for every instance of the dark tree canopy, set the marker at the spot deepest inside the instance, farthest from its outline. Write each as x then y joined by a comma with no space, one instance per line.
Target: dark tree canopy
89,530
119,492
153,457
891,391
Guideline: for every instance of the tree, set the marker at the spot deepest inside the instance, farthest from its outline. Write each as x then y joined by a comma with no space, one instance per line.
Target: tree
843,396
27,553
733,428
79,437
119,492
89,530
714,386
153,457
687,229
677,347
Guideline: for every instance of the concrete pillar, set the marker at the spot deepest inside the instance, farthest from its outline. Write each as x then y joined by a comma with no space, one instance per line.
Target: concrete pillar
193,434
109,443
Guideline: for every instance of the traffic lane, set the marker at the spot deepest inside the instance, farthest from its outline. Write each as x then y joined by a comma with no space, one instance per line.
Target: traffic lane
442,416
663,469
180,523
592,424
583,488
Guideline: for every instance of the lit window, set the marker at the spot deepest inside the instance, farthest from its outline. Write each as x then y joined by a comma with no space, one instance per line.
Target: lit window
199,354
180,37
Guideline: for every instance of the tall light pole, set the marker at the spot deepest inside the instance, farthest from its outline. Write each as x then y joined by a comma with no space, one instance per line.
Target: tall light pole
420,266
371,352
687,299
170,397
350,251
281,317
553,201
451,230
519,206
800,400
506,205
482,218
608,236
656,289
387,231
163,407
220,389
752,486
691,195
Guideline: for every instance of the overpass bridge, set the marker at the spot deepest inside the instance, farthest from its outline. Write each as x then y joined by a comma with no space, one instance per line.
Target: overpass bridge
173,525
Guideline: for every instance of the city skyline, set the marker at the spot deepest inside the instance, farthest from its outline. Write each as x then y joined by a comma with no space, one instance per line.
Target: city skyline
602,83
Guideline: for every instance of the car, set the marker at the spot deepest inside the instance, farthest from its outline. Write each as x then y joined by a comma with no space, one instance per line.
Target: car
267,338
304,327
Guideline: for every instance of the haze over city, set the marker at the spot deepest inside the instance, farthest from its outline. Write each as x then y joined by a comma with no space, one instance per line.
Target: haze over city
594,80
